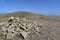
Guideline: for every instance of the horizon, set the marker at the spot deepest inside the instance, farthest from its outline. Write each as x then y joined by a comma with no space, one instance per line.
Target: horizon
43,7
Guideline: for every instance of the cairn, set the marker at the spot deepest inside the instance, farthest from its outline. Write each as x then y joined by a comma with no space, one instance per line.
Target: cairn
15,26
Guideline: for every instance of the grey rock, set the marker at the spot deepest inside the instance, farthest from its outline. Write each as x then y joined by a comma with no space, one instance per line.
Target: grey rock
14,26
24,34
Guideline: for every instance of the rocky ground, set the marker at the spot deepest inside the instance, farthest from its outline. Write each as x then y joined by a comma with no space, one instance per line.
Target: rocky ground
24,29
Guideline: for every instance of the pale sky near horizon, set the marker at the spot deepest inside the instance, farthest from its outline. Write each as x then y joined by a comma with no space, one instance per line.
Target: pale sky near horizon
45,7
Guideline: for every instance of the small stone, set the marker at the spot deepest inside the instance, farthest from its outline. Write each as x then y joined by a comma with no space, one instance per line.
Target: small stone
17,18
12,17
37,29
24,34
24,19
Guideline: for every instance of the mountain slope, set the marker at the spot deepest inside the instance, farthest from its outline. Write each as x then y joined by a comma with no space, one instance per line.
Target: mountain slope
23,14
49,26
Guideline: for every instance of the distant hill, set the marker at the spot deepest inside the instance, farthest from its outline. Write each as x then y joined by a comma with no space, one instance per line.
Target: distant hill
23,14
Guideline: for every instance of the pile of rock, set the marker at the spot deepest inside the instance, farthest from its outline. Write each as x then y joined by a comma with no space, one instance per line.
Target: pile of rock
15,26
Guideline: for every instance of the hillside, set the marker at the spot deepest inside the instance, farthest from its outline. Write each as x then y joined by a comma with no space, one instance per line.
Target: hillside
23,14
49,26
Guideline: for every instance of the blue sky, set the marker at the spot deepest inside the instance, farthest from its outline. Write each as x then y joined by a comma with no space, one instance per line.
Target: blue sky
45,7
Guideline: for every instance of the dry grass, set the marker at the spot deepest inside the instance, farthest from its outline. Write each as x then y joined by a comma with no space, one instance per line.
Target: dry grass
29,15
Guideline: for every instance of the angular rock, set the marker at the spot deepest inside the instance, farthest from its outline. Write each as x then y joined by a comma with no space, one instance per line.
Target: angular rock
24,34
37,29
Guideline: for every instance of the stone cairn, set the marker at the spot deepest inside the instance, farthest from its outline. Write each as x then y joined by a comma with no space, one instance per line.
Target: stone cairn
15,26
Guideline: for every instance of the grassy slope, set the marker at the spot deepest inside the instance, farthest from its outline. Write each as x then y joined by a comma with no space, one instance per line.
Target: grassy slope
29,15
